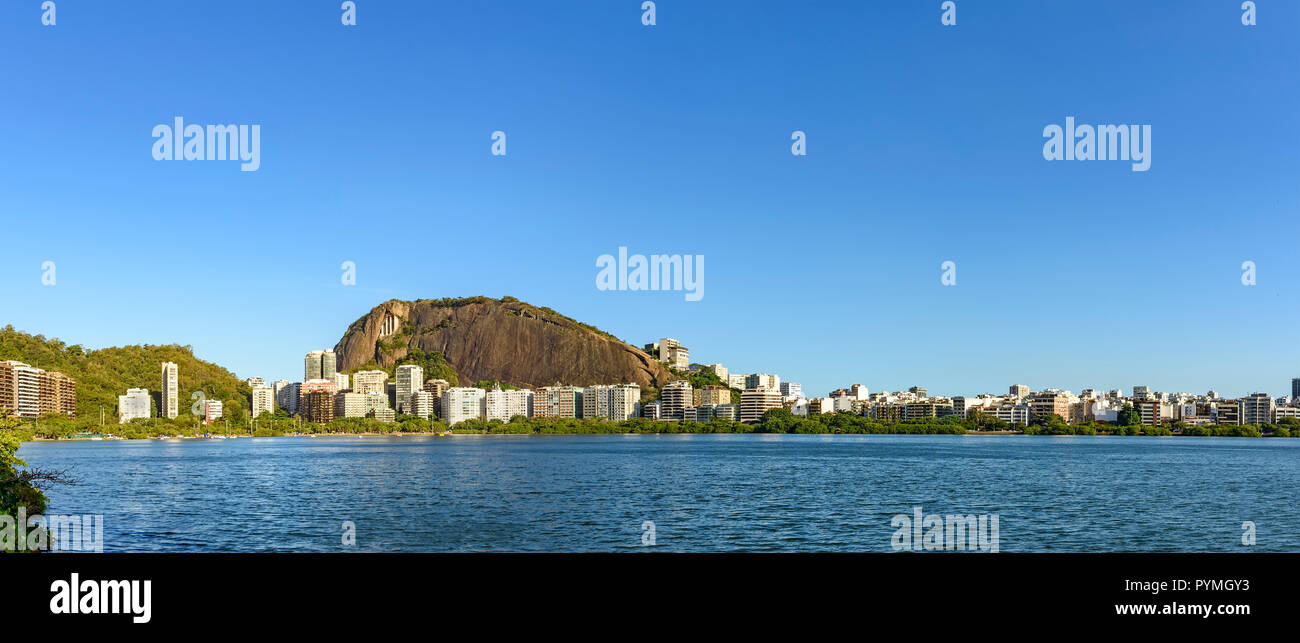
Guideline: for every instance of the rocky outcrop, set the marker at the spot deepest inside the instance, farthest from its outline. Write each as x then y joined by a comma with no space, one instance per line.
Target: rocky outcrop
490,339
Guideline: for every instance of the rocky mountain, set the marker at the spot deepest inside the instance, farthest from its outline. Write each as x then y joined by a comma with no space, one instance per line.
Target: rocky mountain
507,340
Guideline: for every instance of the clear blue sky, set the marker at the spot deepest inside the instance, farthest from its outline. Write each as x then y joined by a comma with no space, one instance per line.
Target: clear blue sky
924,146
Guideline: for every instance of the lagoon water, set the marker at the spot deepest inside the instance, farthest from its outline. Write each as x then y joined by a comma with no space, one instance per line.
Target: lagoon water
703,492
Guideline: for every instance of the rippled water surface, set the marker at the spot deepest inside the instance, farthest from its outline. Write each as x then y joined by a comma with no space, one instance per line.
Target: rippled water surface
703,492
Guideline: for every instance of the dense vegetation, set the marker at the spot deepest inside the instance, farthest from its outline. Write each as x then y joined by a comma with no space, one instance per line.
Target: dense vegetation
104,374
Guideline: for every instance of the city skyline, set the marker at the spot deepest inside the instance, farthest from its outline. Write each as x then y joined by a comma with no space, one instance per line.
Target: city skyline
824,268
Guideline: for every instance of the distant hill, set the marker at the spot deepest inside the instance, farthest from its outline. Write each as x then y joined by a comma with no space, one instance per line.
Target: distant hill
479,338
104,374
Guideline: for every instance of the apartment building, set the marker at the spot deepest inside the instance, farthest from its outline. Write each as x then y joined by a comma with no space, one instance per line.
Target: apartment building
32,392
676,396
422,405
763,380
672,353
757,401
263,400
1257,409
504,405
410,378
287,395
58,394
170,396
370,382
317,403
350,404
212,410
1047,403
133,405
460,403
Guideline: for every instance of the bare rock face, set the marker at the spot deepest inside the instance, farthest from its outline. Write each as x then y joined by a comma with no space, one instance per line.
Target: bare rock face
489,339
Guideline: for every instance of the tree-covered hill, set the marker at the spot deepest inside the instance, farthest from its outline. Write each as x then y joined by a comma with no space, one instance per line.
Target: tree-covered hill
104,374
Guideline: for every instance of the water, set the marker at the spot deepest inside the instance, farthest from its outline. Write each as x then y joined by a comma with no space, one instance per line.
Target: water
703,492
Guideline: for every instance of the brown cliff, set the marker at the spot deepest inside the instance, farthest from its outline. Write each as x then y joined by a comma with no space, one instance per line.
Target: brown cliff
490,339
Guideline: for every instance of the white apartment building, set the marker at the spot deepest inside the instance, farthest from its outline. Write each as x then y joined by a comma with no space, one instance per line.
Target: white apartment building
410,378
286,396
170,391
717,369
736,380
133,405
672,352
422,405
792,390
370,382
763,380
341,381
263,400
503,405
461,403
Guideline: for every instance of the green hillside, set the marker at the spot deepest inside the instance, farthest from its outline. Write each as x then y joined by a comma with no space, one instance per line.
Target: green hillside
104,374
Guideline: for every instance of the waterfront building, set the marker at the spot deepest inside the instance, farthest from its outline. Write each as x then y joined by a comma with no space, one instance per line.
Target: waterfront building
351,404
676,396
341,382
170,397
437,387
757,401
461,403
287,395
1227,412
32,392
422,405
728,411
504,405
133,405
410,378
624,402
1049,402
1257,409
651,410
212,410
317,403
263,400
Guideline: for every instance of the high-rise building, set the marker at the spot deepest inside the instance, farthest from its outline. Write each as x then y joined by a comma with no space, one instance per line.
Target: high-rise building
317,404
624,402
672,353
757,401
170,397
351,405
437,387
1295,390
341,381
422,405
737,380
27,391
717,369
461,403
1257,409
790,390
58,394
319,365
287,395
595,401
763,380
504,405
370,382
263,400
133,405
714,394
410,378
1049,402
1141,392
676,396
1019,391
8,389
561,402
212,410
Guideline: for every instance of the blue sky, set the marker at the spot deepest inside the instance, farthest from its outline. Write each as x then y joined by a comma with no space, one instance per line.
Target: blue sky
924,146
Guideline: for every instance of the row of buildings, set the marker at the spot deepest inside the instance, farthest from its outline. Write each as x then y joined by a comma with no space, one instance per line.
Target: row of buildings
30,392
1021,405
